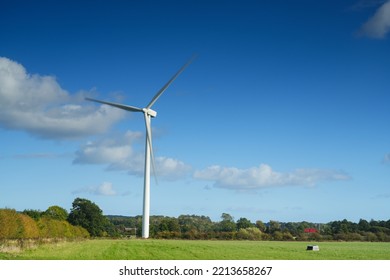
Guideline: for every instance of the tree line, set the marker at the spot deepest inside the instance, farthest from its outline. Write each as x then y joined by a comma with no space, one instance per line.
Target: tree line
201,227
86,219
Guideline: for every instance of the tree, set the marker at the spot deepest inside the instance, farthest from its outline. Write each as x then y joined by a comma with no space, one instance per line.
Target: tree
227,217
35,214
273,226
363,225
250,233
88,215
255,233
195,223
293,228
227,224
243,223
169,224
277,235
261,226
30,227
56,213
10,224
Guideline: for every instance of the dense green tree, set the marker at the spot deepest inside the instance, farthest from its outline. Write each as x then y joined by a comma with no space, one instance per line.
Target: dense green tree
387,224
227,217
293,228
88,215
56,212
243,223
35,214
227,224
169,224
343,226
273,226
326,229
363,225
261,226
300,227
374,223
195,223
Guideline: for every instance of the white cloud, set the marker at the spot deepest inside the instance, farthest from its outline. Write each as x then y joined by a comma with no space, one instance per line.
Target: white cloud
120,154
108,151
171,169
105,189
38,105
378,25
263,176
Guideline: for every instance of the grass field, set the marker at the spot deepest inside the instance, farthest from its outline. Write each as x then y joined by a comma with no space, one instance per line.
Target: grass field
202,250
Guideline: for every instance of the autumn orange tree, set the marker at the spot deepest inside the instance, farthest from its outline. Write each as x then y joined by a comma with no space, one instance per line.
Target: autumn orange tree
14,225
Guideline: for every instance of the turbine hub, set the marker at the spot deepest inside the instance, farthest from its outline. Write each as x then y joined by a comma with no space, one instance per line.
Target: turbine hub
150,112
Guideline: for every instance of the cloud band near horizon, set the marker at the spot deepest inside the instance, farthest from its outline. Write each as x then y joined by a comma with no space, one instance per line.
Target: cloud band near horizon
263,176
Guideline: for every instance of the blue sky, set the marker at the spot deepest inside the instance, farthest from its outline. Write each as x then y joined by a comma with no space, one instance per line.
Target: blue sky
284,114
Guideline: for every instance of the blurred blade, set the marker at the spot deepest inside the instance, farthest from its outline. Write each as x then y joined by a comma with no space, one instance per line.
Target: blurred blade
149,139
117,105
161,91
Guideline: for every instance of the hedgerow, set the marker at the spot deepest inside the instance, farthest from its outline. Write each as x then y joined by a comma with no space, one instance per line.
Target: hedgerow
14,225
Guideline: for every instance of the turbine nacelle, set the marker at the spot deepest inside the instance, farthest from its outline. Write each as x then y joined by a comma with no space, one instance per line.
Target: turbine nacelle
150,112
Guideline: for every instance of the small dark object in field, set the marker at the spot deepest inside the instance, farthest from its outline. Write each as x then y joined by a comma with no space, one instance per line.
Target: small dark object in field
313,248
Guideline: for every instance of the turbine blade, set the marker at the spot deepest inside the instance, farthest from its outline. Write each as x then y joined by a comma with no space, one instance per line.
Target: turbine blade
161,91
149,139
117,105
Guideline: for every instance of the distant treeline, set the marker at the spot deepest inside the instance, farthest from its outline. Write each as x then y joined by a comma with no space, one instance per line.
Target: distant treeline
86,219
201,227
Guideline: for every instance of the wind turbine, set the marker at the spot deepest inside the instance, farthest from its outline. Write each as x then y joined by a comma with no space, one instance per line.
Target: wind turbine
149,156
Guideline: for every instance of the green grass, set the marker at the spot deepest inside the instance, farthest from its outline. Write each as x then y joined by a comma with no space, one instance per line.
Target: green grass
202,250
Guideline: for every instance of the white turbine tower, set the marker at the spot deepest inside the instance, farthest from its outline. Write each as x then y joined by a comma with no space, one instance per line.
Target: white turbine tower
149,157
